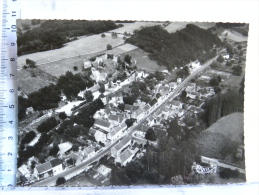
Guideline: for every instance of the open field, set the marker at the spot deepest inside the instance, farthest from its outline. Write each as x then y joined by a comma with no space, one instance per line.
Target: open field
232,35
85,45
226,132
174,26
130,27
232,81
30,84
143,61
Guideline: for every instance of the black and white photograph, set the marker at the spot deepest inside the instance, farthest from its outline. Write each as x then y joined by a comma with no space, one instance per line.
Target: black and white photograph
130,103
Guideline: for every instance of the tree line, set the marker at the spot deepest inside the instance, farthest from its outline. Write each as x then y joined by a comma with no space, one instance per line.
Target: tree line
53,34
176,49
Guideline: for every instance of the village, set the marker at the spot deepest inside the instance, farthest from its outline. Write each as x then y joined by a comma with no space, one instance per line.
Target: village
110,124
134,102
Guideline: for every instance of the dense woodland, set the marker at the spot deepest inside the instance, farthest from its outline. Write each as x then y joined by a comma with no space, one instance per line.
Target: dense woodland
176,49
53,34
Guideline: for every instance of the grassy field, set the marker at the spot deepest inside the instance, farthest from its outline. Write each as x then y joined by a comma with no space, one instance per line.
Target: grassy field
30,84
174,26
232,35
143,61
82,46
227,130
130,27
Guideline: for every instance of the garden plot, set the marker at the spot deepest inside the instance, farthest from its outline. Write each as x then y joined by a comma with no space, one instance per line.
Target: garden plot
174,26
85,45
130,27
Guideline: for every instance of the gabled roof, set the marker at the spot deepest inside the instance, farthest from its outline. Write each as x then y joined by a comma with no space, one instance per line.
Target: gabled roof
175,103
139,111
143,128
129,107
88,150
64,147
113,117
125,155
94,88
164,89
115,131
146,108
48,165
102,123
122,143
153,102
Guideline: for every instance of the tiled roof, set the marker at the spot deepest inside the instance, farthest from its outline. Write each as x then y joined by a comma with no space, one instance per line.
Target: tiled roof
48,165
139,111
113,117
130,107
147,107
125,155
124,141
102,123
64,147
153,102
55,162
175,103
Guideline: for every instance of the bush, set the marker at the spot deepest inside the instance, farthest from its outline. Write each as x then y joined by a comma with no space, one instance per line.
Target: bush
103,35
220,59
109,47
150,135
228,173
60,181
62,115
75,68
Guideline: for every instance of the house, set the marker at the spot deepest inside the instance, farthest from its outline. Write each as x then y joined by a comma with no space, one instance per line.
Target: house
176,104
101,136
29,110
146,108
138,114
52,167
126,156
164,90
64,148
143,128
172,85
130,108
103,124
115,118
87,64
151,120
116,150
94,88
179,80
179,112
193,94
89,152
116,133
103,170
152,102
190,86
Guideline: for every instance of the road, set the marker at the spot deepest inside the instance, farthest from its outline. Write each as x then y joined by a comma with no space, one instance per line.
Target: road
52,180
219,164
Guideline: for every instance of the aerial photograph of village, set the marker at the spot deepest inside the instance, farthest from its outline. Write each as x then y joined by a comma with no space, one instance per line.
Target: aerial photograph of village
120,103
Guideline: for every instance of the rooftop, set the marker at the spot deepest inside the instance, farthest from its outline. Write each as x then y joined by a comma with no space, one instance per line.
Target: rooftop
124,141
102,123
64,147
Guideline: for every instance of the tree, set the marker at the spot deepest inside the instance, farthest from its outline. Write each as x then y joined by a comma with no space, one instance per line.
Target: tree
28,137
237,70
183,94
220,59
159,76
102,88
75,68
103,35
150,135
30,63
62,115
127,58
239,47
47,125
60,181
214,82
121,107
54,150
217,89
130,122
109,47
88,95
